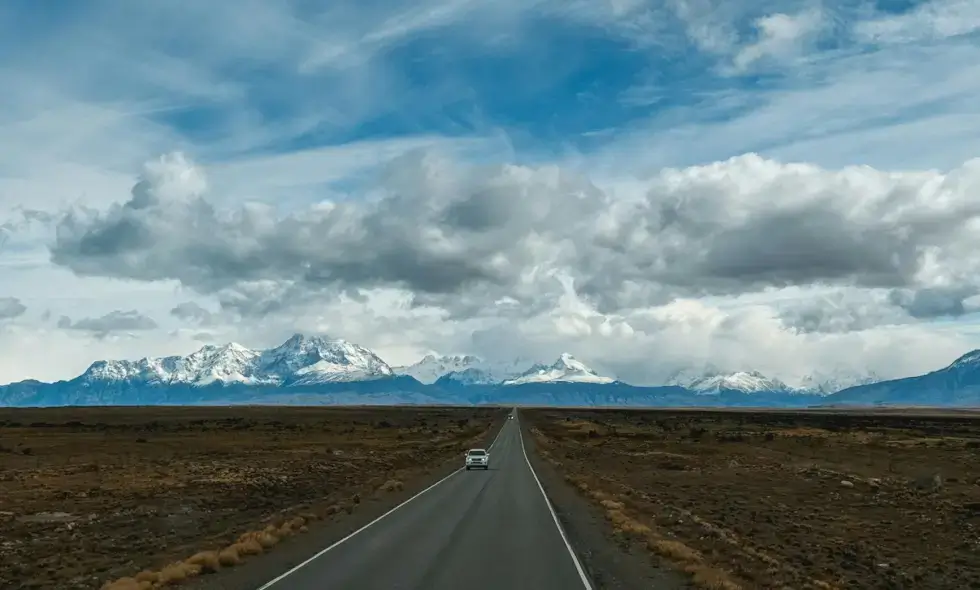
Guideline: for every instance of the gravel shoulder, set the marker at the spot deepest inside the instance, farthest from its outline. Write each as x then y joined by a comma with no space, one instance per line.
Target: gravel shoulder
611,563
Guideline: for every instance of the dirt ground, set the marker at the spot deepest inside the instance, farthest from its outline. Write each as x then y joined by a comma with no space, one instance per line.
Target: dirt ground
782,500
91,495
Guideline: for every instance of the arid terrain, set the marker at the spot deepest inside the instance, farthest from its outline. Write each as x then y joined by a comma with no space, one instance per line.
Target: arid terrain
89,496
781,500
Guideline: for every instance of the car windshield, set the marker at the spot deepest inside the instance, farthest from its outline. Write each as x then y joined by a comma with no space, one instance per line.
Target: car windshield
478,452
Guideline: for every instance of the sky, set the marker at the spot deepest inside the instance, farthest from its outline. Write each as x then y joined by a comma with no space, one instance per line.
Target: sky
785,186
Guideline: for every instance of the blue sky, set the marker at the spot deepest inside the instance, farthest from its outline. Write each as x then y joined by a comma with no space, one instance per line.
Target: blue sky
234,80
292,103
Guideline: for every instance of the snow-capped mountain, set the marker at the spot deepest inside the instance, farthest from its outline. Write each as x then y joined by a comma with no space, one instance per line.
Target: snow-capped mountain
464,370
231,363
566,369
710,380
305,360
828,383
322,371
957,384
301,360
431,367
744,381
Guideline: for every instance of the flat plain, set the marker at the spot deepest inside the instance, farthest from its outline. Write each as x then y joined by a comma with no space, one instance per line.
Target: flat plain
737,499
154,496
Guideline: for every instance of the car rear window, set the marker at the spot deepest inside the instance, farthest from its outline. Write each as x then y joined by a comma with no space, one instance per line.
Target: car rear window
479,452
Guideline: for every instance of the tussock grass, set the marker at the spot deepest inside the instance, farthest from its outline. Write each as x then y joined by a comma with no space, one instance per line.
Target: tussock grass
229,556
676,553
206,562
674,550
710,578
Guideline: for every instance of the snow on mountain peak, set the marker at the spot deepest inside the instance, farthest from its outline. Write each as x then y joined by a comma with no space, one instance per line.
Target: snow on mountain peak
228,363
432,367
746,381
314,359
566,369
970,359
711,380
301,360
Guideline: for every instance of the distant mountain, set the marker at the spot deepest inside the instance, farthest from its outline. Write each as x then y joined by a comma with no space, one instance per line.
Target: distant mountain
713,383
825,383
301,360
432,367
955,385
323,371
709,380
464,369
567,369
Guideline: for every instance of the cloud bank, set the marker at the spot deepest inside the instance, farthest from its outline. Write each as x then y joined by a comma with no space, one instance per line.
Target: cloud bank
784,186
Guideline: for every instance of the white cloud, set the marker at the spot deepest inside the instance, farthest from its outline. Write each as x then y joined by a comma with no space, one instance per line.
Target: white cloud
932,20
780,37
844,243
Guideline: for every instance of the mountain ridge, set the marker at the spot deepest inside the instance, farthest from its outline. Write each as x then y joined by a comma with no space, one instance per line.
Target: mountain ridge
320,370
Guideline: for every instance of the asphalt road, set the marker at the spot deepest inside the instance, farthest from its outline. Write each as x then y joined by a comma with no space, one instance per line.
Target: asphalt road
480,530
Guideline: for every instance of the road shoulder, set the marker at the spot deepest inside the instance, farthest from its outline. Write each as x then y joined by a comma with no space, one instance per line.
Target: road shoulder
610,564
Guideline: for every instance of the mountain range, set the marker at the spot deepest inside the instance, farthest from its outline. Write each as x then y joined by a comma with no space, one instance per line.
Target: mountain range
316,370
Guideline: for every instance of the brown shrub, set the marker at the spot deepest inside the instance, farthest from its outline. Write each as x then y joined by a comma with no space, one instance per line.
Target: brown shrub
178,572
674,550
148,576
229,556
206,560
249,546
711,578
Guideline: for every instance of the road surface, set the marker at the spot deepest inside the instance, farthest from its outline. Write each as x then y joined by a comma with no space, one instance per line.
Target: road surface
480,530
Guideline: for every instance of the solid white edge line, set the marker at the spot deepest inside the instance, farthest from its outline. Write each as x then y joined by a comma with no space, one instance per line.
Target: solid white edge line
568,545
274,581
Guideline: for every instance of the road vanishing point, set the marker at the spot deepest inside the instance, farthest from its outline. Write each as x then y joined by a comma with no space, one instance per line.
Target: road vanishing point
479,530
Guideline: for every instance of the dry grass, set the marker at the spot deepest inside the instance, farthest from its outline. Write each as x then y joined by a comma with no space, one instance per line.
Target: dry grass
710,578
229,556
756,499
679,555
195,478
674,550
205,562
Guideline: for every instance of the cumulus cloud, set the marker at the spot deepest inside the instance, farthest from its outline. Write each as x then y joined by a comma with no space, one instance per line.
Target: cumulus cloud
467,237
115,321
936,301
842,312
11,307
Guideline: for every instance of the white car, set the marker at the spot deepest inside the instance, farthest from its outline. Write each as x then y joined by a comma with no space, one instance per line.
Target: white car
477,459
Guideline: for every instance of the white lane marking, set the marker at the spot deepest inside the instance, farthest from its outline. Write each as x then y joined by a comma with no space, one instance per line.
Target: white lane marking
274,581
578,566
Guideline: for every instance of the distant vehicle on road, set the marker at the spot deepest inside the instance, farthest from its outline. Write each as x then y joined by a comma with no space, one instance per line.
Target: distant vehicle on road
510,417
477,459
